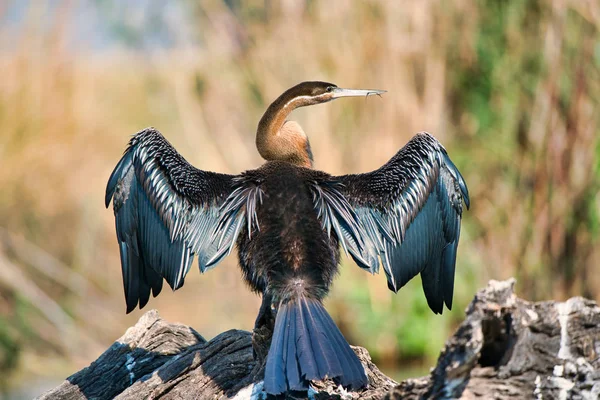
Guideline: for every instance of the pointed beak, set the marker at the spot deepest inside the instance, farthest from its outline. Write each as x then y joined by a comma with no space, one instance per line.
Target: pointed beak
339,92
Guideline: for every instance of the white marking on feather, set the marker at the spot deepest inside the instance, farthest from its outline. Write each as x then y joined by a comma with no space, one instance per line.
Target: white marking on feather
181,267
295,99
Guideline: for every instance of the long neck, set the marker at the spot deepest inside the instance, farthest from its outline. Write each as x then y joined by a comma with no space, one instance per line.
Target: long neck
278,140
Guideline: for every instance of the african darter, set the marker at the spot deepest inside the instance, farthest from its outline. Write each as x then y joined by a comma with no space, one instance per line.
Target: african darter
288,222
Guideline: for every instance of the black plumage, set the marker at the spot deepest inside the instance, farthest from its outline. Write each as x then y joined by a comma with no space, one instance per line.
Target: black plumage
288,222
166,211
409,212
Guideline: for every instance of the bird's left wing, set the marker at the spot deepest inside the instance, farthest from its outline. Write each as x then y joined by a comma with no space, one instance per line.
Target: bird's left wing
407,213
167,211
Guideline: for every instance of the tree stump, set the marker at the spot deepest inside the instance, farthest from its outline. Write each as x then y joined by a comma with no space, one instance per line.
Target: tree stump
507,348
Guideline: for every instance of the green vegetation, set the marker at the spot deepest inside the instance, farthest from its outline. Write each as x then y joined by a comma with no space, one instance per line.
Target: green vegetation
511,88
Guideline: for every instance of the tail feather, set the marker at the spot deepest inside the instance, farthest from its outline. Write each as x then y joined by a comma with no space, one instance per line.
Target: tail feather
292,368
317,347
306,345
328,346
275,372
354,376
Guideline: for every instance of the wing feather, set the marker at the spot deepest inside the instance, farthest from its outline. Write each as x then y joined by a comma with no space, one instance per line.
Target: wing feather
406,214
167,211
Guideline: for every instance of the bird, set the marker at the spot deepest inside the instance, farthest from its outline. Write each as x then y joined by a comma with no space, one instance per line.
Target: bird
288,222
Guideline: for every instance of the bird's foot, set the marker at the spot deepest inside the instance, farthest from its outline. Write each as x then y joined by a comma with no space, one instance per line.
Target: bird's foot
261,341
263,330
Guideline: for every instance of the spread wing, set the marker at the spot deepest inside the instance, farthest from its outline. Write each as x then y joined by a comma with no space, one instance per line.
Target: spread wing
407,213
167,211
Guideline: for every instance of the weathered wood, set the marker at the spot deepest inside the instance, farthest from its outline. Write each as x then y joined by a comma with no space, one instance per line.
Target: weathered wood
507,348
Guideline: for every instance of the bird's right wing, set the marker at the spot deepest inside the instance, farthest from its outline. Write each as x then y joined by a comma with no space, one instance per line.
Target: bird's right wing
167,211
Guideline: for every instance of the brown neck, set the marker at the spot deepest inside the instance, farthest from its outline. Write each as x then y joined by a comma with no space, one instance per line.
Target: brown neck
278,139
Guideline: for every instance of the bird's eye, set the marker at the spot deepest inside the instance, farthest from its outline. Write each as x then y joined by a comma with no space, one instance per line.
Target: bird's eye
329,88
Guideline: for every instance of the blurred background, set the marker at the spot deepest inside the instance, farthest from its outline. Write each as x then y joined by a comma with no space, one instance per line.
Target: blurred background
512,89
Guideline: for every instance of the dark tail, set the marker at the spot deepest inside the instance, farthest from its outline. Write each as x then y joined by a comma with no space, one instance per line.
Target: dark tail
307,345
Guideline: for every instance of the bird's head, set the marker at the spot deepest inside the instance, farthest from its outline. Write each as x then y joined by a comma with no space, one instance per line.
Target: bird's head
316,92
278,139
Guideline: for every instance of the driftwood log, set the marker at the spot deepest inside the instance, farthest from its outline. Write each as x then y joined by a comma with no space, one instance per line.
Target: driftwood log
507,348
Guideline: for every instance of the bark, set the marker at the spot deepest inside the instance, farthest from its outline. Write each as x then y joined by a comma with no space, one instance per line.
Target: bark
507,348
